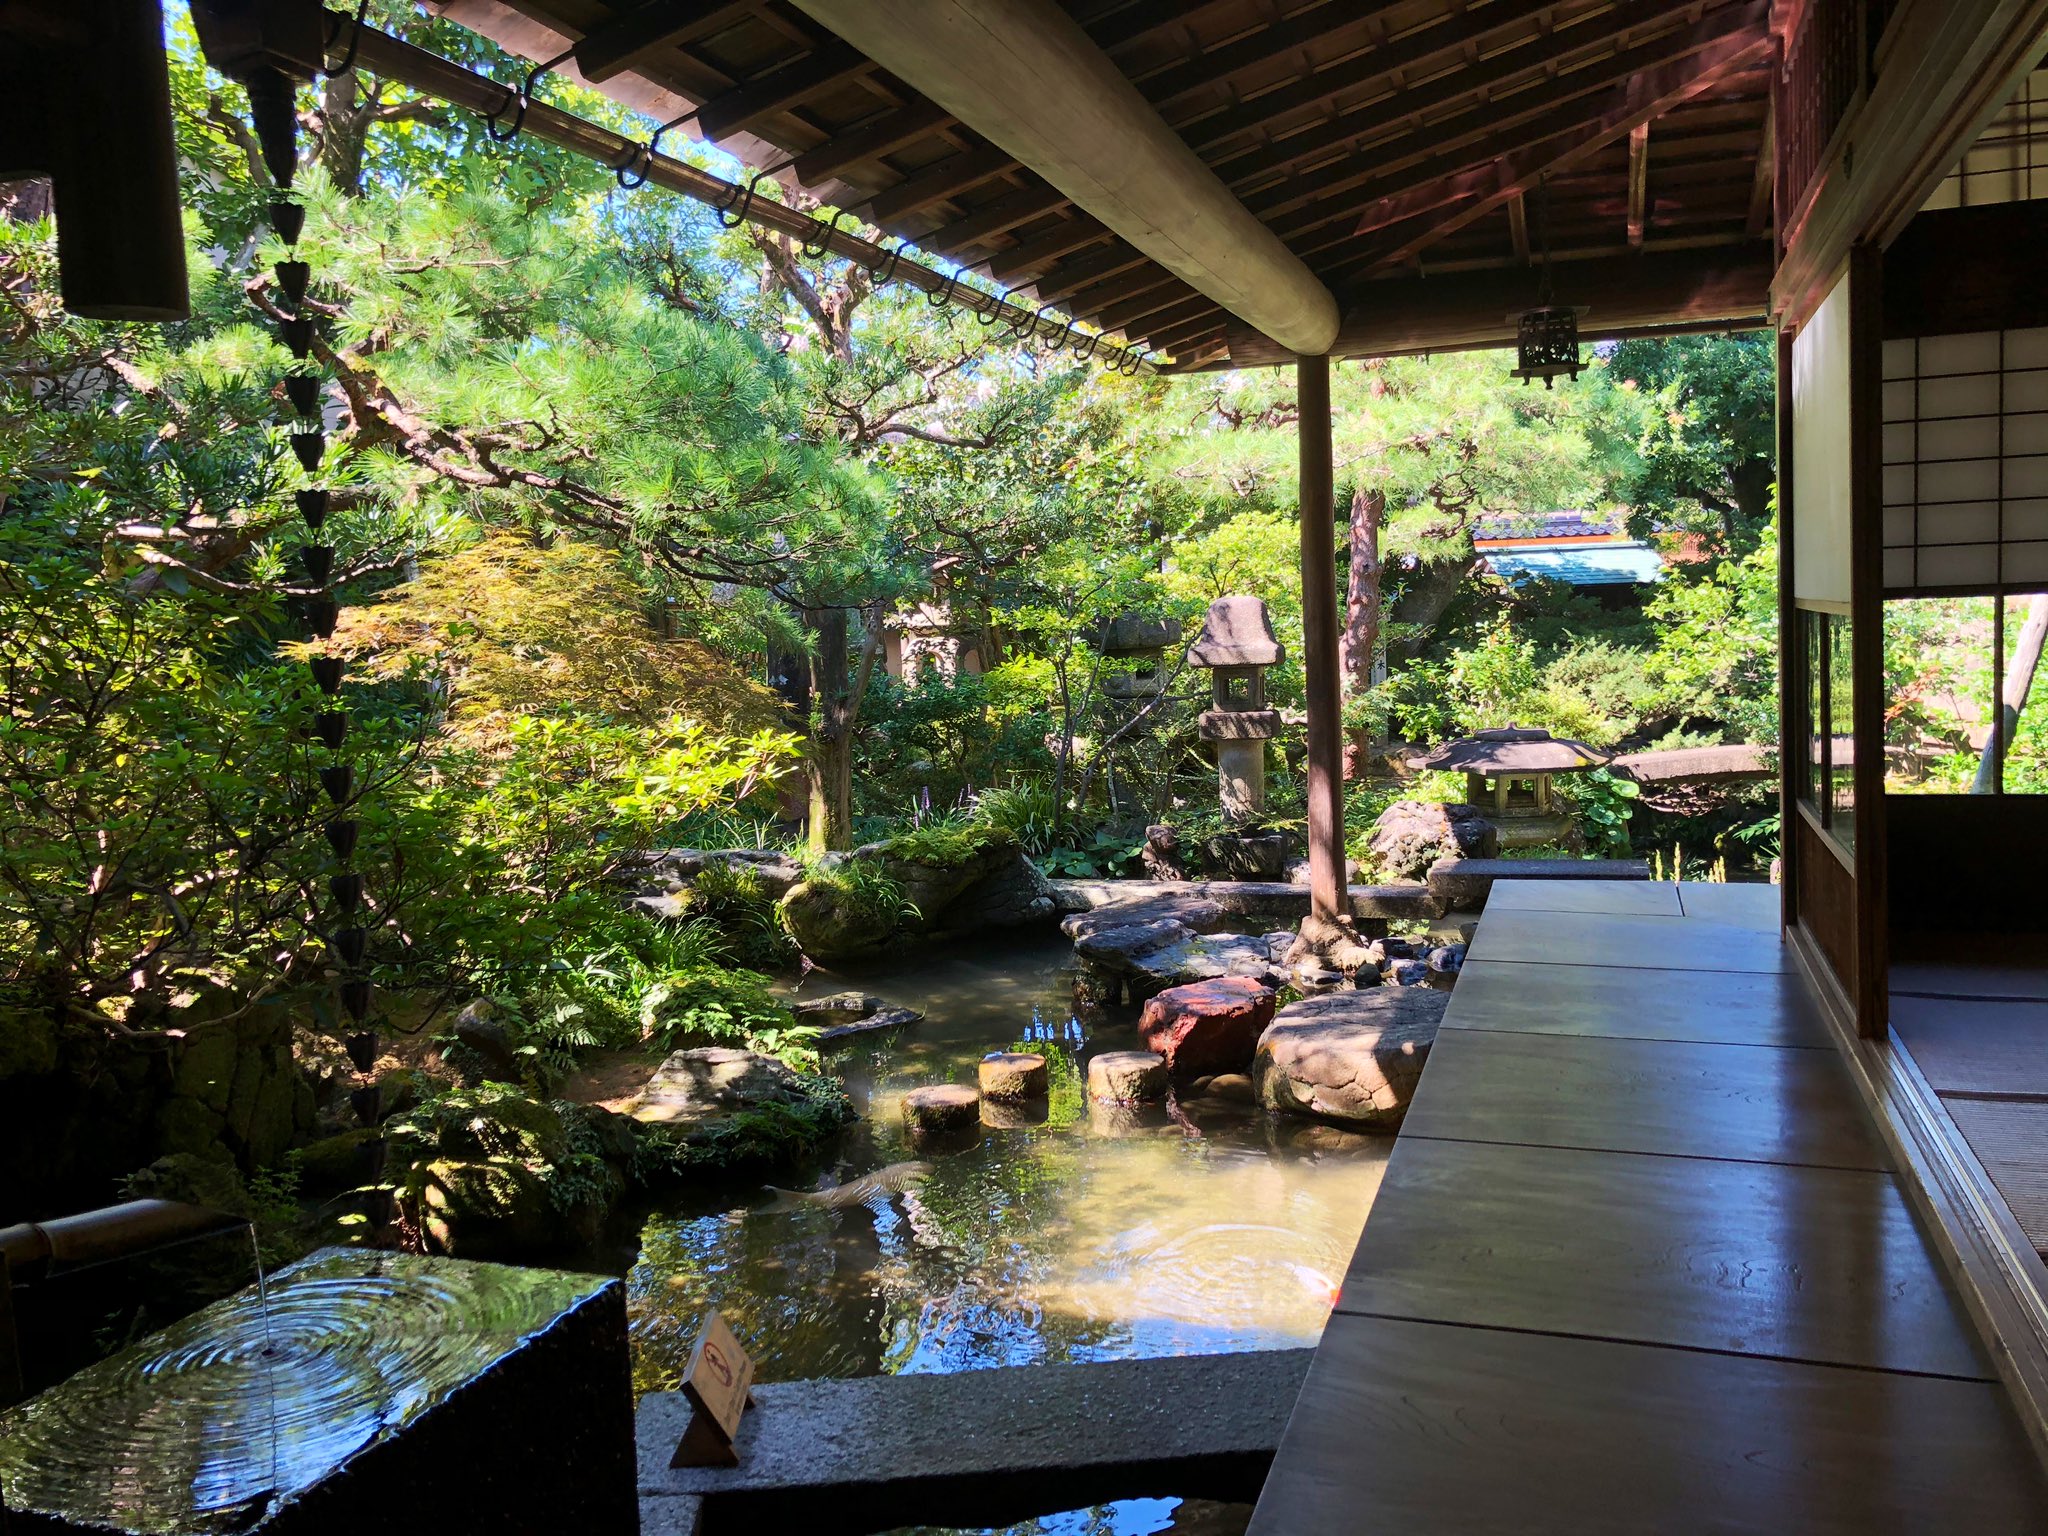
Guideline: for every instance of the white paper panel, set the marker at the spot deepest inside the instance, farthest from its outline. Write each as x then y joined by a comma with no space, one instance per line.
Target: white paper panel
1820,452
1966,459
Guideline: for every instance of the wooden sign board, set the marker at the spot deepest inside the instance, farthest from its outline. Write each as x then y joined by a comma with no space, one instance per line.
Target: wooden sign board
717,1381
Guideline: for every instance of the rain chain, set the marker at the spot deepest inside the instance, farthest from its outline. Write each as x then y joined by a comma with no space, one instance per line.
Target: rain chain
276,126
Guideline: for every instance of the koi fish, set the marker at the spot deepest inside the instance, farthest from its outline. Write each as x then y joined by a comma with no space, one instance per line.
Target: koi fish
868,1189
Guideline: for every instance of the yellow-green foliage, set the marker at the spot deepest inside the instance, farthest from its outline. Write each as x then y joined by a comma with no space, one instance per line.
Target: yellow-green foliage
509,627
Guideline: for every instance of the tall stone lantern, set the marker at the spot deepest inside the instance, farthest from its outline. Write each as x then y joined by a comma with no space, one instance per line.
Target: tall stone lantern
1237,645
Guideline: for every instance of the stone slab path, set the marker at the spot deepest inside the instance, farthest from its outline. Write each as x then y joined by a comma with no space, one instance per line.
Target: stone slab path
974,1449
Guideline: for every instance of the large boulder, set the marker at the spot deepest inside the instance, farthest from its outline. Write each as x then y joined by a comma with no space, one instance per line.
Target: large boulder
885,894
492,1173
1208,1026
1143,960
1350,1058
1012,895
1411,835
714,1081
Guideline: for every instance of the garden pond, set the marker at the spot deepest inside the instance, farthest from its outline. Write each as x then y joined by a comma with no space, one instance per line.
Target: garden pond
1207,1226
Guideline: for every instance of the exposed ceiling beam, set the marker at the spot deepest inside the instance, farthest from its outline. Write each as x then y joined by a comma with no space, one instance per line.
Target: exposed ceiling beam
995,218
1325,28
1638,182
1518,225
1452,43
1041,251
1766,180
639,34
1518,88
1024,75
1646,96
1636,292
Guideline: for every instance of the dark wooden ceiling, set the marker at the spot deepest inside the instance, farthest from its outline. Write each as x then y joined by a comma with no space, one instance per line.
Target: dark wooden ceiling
1380,141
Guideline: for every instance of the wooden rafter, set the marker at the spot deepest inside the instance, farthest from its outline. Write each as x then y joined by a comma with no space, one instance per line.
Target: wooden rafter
1763,180
1518,226
1484,33
786,86
1549,96
1528,107
1485,188
996,218
1327,26
883,135
649,29
971,168
1638,182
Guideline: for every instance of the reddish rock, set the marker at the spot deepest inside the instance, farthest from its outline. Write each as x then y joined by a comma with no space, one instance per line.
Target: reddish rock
1208,1026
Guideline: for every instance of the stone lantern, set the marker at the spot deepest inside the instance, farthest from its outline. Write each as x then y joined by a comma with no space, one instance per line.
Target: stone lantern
1237,645
1508,775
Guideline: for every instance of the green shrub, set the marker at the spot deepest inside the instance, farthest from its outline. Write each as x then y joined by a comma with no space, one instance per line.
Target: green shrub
952,840
734,900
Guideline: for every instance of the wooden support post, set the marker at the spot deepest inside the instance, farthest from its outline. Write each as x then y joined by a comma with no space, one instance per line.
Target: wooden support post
1328,898
1638,182
1866,638
1791,659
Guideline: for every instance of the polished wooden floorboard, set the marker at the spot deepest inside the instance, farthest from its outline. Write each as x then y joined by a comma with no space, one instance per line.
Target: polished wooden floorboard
1601,938
1677,1098
1639,1265
1660,1250
1730,1007
1759,908
1422,1429
1638,898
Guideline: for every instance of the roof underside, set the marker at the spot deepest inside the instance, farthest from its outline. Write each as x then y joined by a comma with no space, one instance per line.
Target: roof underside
1382,142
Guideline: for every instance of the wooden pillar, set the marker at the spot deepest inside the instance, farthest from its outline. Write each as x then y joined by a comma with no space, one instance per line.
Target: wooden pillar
1328,898
1866,609
1791,660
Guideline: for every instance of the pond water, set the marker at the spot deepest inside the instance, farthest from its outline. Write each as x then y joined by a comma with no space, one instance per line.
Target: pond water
1094,1235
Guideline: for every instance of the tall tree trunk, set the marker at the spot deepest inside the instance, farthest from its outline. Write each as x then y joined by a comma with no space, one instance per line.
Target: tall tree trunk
2023,659
1362,598
1425,597
836,700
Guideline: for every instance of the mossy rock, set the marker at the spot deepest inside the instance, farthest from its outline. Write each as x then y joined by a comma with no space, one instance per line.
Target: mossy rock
491,1208
186,1125
28,1042
336,1163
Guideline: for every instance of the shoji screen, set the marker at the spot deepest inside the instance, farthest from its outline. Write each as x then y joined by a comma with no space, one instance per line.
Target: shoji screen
1966,460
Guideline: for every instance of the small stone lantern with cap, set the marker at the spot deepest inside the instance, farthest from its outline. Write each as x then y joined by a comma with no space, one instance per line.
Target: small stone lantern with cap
1237,646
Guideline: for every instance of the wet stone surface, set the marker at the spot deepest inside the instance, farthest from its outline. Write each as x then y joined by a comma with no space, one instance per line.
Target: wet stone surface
339,1405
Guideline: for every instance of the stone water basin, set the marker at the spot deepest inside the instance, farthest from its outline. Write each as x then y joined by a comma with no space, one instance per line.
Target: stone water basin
372,1392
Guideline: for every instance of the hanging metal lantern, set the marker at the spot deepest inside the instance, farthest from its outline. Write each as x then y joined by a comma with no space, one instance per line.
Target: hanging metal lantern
1546,337
1547,344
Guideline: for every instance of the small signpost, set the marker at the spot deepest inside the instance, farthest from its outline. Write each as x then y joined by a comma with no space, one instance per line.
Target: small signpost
717,1382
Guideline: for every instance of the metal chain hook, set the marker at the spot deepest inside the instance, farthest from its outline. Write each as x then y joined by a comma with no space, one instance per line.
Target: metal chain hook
522,98
355,38
824,244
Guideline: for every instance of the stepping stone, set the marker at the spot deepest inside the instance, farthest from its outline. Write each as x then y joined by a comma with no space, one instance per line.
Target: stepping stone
1127,1077
1011,1077
942,1109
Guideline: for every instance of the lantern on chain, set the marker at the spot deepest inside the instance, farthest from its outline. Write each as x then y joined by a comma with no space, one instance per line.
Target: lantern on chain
1546,337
